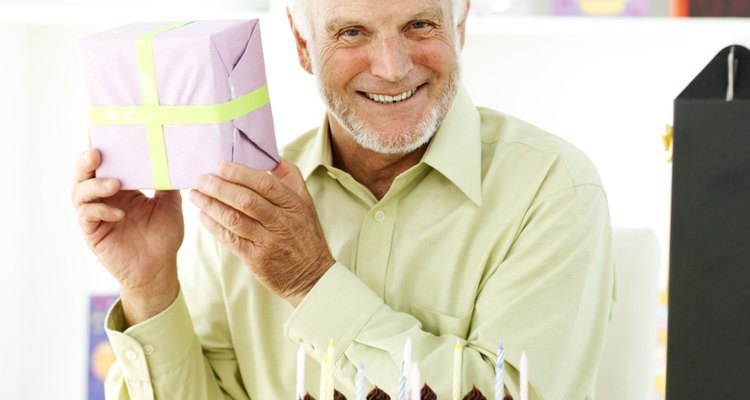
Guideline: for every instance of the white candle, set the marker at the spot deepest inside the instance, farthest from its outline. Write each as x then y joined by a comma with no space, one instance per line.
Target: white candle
524,377
300,373
405,365
499,388
360,382
457,371
416,380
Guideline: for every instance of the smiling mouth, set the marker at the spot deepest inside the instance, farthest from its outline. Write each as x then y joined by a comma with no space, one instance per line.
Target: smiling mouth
385,99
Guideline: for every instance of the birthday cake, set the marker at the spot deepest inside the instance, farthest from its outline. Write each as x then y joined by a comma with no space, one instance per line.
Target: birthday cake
427,393
378,394
336,396
474,394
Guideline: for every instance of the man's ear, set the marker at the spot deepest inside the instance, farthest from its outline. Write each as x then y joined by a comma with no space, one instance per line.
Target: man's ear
462,24
303,53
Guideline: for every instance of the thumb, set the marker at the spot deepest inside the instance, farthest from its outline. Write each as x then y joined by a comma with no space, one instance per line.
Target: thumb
290,175
170,197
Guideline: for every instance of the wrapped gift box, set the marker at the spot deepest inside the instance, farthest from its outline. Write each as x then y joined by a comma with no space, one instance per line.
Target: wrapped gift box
171,101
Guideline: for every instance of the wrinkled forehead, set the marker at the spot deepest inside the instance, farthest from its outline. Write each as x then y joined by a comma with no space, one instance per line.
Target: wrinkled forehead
336,12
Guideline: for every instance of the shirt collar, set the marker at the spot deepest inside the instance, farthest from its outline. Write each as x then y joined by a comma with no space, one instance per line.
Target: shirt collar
454,151
319,154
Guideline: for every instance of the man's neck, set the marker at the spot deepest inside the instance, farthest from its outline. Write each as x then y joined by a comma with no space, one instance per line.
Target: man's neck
375,171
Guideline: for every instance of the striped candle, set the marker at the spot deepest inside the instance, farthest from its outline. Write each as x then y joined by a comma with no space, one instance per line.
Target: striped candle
499,388
457,371
300,373
405,365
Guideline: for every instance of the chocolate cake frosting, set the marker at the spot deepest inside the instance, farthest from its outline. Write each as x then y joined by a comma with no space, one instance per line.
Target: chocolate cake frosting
377,394
336,396
474,394
427,393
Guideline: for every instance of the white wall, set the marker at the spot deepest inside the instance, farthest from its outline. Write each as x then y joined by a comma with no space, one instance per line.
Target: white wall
605,85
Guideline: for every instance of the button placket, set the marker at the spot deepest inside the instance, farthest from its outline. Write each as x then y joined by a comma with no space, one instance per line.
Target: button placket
379,216
375,246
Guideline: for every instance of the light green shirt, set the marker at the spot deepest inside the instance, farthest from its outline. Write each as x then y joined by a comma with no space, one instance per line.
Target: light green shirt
501,232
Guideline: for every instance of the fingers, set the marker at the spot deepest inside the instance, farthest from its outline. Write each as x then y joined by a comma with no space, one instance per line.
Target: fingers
94,189
87,163
92,214
238,197
225,217
269,187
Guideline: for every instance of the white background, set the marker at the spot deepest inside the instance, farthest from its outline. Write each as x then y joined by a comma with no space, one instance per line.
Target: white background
607,85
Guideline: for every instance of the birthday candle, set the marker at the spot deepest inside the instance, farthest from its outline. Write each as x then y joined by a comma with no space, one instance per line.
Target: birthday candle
323,374
360,382
524,377
329,373
499,390
300,373
405,365
457,371
416,380
402,385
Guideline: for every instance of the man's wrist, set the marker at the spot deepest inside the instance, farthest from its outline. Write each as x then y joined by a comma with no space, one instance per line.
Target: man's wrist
142,303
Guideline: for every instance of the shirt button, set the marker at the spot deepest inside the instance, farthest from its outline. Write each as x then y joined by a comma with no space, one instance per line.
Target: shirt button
130,355
379,216
148,349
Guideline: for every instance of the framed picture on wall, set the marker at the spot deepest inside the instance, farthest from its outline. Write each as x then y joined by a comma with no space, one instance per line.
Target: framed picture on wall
100,354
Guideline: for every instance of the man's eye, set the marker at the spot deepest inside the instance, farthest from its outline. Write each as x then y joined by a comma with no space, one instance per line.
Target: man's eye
351,32
419,25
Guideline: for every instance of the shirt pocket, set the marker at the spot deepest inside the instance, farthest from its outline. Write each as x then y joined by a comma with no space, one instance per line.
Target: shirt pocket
439,323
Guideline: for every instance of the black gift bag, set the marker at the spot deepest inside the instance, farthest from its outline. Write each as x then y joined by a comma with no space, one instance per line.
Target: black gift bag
708,348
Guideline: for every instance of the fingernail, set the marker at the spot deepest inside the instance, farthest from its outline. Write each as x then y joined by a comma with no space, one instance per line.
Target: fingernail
193,196
86,158
118,213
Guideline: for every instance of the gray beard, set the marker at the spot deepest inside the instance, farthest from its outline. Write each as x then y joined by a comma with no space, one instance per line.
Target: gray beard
409,140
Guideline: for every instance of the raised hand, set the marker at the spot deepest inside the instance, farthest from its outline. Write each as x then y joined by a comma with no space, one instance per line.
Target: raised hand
134,236
269,222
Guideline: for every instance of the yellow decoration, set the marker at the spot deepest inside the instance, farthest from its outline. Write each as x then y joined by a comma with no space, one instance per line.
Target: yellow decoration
602,7
667,139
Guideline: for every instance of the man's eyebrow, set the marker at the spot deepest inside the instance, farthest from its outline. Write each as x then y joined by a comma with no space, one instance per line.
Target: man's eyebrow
334,23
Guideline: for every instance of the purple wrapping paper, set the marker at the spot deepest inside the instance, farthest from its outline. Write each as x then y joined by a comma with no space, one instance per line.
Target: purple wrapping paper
202,63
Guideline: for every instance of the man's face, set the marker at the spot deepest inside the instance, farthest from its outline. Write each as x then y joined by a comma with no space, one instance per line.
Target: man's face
388,70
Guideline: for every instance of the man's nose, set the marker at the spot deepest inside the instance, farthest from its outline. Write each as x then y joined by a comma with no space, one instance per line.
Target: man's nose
390,58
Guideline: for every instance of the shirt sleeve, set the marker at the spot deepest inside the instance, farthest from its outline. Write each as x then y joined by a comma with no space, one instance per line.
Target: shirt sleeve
550,296
163,357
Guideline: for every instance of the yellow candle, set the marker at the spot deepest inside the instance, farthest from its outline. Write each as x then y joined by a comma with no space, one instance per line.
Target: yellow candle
457,371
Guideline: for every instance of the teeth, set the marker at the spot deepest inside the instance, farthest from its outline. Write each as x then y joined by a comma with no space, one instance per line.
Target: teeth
381,98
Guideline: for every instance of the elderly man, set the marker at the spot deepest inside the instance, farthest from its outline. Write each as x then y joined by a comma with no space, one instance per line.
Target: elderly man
412,215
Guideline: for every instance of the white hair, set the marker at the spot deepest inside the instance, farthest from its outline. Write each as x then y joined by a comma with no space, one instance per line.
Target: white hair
300,13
